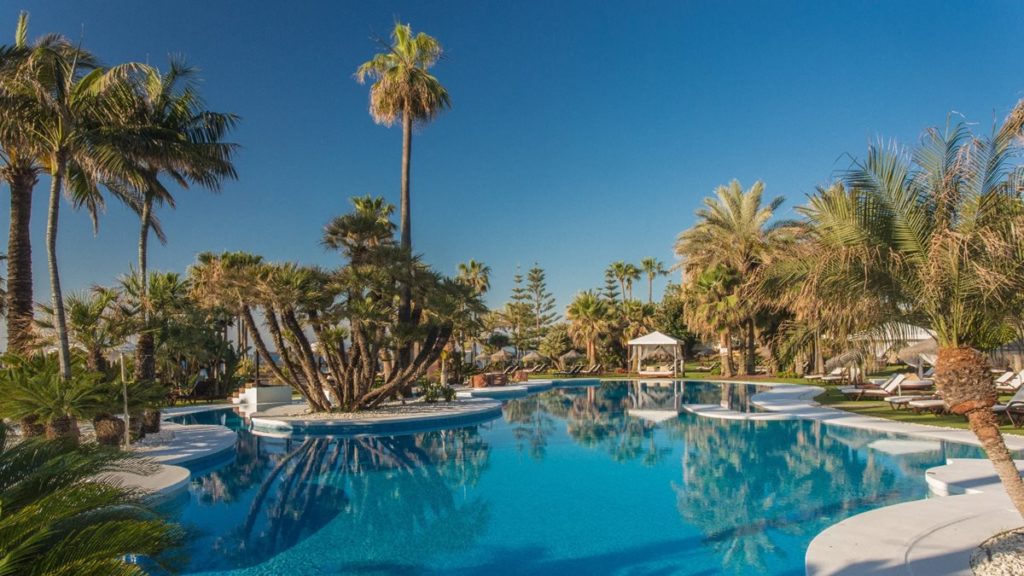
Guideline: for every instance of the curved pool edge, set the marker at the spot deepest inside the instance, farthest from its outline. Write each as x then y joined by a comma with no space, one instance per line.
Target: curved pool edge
480,410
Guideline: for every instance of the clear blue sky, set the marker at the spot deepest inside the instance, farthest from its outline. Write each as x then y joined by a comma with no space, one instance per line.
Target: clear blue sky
581,133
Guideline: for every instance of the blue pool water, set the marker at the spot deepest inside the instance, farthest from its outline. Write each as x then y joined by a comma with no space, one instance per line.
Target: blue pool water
566,482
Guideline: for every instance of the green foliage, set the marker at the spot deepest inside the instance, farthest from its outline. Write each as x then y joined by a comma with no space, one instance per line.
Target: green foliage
56,519
556,342
437,392
32,386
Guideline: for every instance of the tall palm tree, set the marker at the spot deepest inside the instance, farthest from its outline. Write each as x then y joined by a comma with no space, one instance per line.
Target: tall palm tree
938,235
630,274
588,317
20,170
620,271
476,275
734,229
403,89
711,308
653,268
77,137
189,150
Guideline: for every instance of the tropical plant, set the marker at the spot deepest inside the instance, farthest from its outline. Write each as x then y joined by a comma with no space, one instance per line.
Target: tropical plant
69,115
92,324
56,518
735,229
19,168
191,151
588,321
711,307
32,387
652,268
938,237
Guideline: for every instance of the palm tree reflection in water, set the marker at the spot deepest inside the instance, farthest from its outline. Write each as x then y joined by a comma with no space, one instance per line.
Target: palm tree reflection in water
375,491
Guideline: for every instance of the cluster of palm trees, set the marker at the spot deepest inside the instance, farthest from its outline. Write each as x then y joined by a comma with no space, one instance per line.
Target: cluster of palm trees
121,131
603,321
932,236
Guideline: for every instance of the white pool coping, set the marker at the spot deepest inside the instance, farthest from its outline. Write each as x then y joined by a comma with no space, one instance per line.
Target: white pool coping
935,536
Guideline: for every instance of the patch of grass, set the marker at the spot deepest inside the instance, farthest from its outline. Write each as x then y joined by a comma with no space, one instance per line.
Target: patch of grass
835,399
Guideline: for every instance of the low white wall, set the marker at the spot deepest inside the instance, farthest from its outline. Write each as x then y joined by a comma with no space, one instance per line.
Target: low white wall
267,395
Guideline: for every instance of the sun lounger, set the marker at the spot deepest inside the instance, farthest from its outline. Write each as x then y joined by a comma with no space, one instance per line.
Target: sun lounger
915,383
890,388
835,372
933,405
1009,382
1013,410
707,367
596,368
902,402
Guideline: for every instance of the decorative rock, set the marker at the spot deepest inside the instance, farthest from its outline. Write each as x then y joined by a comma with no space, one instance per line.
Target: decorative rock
1001,555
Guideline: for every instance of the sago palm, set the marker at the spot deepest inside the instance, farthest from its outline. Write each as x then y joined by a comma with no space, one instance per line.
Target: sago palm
56,519
938,235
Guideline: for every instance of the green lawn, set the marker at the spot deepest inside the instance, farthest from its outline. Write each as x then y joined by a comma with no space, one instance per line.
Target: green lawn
833,398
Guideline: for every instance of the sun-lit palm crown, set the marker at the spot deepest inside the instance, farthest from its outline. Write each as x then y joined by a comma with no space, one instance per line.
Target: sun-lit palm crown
402,83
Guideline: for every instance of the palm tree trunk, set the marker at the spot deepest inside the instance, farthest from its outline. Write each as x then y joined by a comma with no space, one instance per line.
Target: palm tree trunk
405,224
650,289
751,356
145,362
59,319
725,354
819,358
19,263
962,376
404,354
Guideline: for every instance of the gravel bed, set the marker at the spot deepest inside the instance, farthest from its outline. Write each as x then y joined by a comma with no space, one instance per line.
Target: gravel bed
1001,555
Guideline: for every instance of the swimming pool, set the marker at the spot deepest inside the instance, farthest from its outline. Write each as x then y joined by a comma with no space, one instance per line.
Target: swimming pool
567,481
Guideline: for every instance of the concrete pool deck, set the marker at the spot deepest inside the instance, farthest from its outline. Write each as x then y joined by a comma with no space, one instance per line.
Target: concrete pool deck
176,445
935,536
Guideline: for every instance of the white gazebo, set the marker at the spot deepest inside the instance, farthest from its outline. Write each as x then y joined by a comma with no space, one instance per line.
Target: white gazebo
649,355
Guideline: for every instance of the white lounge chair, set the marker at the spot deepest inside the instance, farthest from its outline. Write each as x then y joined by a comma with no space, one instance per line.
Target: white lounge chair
835,373
890,388
935,405
1014,409
1009,382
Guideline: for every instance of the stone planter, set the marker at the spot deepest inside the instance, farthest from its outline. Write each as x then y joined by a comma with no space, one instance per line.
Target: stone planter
109,430
151,421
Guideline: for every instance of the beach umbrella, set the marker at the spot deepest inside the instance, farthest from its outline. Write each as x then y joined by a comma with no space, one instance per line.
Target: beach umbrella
533,358
570,356
922,352
848,358
501,356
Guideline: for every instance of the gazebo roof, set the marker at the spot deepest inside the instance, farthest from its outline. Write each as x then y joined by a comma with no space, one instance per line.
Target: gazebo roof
656,339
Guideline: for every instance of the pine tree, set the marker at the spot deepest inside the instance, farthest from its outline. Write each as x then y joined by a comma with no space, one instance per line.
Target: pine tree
542,304
610,292
519,313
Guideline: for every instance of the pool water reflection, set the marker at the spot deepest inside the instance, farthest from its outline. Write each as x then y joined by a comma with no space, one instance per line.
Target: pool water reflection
566,482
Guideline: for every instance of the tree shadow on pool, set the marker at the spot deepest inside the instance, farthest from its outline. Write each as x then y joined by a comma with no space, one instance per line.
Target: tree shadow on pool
372,491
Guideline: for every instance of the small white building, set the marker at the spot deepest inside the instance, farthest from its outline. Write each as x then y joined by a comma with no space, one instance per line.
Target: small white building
656,354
